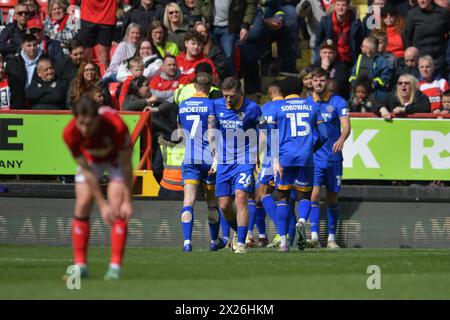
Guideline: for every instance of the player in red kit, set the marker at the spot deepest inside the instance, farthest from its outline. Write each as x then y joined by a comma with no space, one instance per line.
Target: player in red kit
100,141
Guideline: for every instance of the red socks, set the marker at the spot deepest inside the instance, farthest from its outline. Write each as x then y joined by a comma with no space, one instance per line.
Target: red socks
80,239
118,240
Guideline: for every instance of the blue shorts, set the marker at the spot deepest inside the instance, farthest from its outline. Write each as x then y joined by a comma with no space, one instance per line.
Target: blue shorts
266,176
231,177
196,173
300,178
329,175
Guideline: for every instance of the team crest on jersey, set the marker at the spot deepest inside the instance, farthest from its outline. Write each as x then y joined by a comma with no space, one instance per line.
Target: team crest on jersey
330,108
175,84
241,115
221,114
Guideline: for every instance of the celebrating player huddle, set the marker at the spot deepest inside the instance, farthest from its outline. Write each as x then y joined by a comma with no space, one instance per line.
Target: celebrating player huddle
302,138
303,142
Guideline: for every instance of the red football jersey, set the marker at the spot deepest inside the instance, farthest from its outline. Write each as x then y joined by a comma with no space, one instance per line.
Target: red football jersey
187,67
111,136
434,90
98,11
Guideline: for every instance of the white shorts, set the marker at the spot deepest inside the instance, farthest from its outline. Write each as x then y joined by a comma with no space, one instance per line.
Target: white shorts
114,171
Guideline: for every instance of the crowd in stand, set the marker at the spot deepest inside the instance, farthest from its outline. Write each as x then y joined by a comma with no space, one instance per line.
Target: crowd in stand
137,53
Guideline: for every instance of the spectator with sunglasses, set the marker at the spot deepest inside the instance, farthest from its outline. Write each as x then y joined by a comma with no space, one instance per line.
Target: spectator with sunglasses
406,98
11,35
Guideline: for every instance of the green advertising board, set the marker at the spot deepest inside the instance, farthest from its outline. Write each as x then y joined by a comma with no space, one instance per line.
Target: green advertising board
401,149
33,144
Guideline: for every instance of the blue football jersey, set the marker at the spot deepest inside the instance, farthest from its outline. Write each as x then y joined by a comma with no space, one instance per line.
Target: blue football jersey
238,141
331,110
193,116
296,120
268,112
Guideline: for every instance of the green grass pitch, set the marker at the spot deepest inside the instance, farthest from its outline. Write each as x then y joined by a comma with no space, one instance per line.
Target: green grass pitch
167,273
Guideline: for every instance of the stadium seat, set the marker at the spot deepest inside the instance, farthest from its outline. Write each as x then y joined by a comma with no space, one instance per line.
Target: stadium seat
113,86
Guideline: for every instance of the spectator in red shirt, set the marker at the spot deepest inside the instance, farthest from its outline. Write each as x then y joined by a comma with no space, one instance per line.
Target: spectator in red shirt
394,26
163,86
431,84
5,93
187,60
98,19
344,29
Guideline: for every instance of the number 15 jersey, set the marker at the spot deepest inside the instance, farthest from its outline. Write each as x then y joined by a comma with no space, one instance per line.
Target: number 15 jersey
296,120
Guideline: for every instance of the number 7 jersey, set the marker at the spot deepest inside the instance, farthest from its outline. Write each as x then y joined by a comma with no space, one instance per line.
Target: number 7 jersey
296,120
193,117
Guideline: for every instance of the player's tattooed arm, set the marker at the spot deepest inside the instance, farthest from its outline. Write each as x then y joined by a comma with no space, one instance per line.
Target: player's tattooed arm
212,143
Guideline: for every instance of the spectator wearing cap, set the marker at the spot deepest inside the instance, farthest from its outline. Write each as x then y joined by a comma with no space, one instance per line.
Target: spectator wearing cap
21,68
187,91
59,25
48,46
46,92
344,29
374,67
394,26
427,28
338,70
11,35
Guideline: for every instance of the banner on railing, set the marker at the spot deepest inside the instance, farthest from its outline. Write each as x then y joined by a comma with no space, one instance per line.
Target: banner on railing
401,149
33,144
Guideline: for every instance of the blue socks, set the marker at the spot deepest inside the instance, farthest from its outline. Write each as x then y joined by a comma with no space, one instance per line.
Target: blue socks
214,227
282,217
261,220
333,214
187,226
225,226
304,208
241,233
315,218
269,205
251,214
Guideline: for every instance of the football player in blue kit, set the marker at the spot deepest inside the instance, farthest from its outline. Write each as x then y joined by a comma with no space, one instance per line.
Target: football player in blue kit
265,183
235,146
328,159
300,131
193,117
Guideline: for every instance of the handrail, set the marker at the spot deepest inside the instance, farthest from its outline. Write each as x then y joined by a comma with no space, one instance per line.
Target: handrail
143,129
